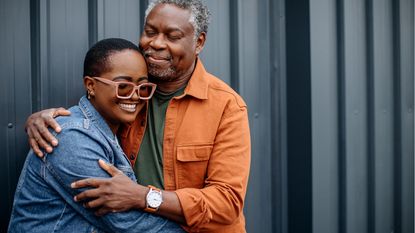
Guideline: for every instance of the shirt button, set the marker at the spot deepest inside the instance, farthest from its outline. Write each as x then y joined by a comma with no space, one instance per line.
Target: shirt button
132,157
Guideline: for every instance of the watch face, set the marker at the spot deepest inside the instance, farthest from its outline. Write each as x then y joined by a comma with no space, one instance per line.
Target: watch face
154,199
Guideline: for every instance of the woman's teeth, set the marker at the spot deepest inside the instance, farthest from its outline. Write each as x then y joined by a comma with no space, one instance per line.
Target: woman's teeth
128,107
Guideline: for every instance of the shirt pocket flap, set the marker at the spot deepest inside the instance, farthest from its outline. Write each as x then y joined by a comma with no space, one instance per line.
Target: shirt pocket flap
193,153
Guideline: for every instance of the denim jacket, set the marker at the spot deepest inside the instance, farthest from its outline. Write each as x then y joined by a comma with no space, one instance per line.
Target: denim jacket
44,201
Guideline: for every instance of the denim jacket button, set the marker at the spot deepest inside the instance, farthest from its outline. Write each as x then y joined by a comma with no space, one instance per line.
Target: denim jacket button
132,157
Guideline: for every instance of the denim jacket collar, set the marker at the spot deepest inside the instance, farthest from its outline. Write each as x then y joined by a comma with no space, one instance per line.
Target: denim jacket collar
91,114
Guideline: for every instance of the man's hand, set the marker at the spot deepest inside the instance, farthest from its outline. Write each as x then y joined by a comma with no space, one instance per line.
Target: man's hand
37,128
115,194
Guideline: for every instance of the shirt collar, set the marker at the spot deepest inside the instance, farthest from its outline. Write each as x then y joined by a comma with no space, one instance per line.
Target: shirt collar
198,84
93,115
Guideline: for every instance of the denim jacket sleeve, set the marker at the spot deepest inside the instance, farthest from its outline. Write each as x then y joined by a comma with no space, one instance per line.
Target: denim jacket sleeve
76,158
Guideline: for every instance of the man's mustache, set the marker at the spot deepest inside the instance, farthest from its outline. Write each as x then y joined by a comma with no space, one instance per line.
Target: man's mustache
157,55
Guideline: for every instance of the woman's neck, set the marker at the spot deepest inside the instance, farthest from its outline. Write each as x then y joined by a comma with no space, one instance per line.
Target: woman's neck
114,126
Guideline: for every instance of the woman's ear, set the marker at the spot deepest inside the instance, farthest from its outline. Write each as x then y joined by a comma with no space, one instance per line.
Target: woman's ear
89,84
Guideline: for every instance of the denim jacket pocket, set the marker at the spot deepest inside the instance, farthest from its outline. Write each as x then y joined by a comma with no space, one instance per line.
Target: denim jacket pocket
192,164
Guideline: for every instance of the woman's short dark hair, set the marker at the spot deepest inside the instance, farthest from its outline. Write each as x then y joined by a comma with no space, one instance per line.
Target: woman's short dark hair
96,59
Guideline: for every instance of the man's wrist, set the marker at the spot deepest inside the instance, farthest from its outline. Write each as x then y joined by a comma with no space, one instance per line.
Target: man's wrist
141,196
154,199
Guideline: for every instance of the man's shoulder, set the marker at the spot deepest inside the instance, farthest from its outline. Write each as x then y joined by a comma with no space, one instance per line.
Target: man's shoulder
221,91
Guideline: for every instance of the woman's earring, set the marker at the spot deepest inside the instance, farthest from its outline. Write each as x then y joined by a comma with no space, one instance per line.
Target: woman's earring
89,94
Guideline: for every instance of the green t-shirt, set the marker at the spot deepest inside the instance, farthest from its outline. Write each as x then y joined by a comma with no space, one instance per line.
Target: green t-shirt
149,165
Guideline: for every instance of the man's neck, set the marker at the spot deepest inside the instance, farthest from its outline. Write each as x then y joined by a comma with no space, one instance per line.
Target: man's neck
170,86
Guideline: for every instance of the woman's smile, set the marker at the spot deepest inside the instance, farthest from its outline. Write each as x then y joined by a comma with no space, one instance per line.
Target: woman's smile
129,107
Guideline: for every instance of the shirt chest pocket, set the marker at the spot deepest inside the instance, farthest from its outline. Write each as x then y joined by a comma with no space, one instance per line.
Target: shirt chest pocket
192,162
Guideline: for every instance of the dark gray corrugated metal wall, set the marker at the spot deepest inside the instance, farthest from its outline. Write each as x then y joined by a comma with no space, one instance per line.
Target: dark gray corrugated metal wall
15,98
329,85
362,82
56,34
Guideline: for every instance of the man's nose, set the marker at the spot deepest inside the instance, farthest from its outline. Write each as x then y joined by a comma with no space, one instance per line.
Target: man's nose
158,42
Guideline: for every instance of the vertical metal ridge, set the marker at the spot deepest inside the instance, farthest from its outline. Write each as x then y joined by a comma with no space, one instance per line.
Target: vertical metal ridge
370,117
299,124
341,89
397,128
92,22
275,138
143,7
35,54
65,92
46,75
277,82
234,38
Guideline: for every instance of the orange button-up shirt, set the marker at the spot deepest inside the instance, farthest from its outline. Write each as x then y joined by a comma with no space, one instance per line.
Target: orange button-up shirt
206,153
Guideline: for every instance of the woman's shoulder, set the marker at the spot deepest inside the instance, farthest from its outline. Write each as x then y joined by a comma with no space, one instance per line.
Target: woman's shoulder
76,123
78,128
75,120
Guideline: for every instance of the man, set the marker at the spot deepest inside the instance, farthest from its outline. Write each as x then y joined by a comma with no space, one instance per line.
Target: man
195,144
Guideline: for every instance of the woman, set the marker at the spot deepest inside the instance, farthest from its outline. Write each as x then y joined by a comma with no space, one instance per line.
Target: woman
115,78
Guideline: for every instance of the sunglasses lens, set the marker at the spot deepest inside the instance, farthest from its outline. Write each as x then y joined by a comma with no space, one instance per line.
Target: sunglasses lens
125,89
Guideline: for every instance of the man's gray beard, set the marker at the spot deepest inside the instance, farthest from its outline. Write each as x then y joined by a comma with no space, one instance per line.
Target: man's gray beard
168,74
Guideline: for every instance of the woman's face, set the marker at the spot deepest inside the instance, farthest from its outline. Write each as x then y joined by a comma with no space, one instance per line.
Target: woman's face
126,65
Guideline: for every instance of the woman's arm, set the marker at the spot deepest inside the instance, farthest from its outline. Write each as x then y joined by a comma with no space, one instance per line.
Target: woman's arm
76,158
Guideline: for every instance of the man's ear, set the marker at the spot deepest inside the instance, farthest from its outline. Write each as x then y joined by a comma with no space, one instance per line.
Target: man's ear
200,42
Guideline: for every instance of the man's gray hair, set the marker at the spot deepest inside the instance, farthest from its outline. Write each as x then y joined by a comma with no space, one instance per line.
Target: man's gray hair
199,13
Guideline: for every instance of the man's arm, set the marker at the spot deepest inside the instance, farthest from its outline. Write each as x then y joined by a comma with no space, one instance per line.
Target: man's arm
216,205
37,129
72,161
109,195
